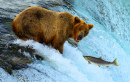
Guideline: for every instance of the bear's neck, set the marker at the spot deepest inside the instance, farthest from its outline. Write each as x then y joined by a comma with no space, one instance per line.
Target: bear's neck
71,34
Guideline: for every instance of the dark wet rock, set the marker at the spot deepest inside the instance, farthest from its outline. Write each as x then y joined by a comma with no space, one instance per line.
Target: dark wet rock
12,57
9,63
69,1
3,30
6,34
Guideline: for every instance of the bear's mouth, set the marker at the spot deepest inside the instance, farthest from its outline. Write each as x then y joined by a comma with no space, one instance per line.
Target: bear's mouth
79,37
77,40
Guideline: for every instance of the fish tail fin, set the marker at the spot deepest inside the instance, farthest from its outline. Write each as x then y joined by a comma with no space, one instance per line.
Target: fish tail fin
115,62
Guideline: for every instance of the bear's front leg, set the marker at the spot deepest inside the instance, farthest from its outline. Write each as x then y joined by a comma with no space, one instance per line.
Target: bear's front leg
61,49
57,45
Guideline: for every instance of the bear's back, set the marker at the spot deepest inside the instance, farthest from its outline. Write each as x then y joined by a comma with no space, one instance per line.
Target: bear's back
36,15
34,20
37,23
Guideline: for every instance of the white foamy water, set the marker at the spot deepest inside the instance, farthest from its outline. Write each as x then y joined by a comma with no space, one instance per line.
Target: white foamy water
71,65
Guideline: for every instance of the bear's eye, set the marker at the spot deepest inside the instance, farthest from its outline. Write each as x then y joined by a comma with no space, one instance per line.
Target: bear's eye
80,29
85,31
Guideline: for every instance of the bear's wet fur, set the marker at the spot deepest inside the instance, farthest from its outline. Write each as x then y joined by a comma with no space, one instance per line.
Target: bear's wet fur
49,27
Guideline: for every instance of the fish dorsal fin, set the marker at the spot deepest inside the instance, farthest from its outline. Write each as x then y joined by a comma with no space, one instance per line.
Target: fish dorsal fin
100,57
107,66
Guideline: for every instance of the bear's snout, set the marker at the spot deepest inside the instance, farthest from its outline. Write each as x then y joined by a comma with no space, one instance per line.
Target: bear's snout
80,37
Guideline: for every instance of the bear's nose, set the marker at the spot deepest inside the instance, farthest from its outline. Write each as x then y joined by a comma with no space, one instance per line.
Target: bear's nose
80,37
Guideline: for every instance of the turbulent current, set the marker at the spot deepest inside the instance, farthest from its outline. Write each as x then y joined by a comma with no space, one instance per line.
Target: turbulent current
110,38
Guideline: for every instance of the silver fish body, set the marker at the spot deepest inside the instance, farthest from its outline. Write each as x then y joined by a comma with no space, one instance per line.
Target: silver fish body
100,61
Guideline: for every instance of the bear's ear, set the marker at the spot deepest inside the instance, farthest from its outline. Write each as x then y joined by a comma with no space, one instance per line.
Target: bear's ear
76,20
90,26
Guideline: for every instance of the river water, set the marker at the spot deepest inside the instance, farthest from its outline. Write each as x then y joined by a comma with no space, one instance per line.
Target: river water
110,38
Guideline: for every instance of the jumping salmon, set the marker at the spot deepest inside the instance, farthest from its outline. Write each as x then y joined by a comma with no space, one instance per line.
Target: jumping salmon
100,61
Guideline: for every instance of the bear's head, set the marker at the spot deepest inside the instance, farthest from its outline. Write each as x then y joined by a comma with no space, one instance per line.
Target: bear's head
80,29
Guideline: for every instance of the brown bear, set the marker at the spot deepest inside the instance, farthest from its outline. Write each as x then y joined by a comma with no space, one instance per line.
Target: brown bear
49,27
